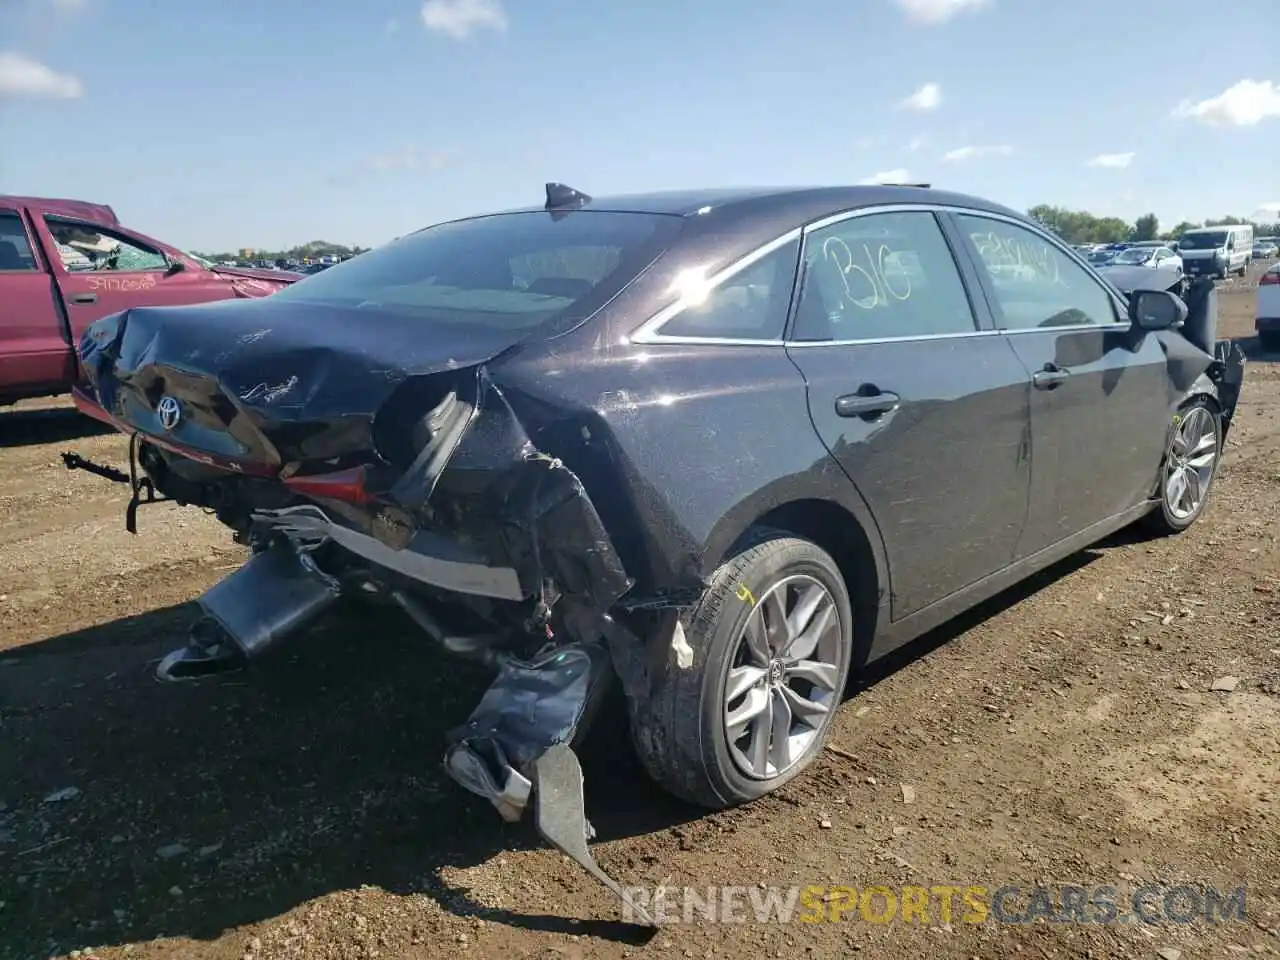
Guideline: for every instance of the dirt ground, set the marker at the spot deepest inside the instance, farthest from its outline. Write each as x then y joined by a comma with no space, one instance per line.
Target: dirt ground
1064,733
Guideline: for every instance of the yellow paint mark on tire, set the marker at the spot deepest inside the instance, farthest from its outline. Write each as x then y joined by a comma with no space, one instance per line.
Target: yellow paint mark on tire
745,594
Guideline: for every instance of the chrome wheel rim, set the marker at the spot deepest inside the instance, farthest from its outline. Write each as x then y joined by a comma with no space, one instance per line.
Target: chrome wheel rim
781,688
1193,455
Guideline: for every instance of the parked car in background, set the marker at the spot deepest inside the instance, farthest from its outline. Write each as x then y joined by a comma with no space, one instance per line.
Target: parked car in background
1101,257
727,445
66,263
1217,251
1143,255
1268,319
1265,248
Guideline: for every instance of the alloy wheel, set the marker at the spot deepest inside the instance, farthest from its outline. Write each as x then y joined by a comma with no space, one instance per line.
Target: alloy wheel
1193,456
781,689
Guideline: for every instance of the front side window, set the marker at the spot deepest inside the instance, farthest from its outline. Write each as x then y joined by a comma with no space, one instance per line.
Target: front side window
1036,285
15,248
512,271
84,248
885,275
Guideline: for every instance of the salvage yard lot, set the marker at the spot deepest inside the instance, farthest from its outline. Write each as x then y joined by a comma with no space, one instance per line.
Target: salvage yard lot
1065,733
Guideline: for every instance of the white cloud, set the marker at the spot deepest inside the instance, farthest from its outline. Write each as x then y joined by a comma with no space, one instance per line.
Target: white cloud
20,76
1113,161
1243,104
973,153
459,19
897,175
918,142
1270,209
928,97
938,11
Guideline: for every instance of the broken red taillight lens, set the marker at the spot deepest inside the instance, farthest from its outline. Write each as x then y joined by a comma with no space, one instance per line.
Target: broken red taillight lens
347,486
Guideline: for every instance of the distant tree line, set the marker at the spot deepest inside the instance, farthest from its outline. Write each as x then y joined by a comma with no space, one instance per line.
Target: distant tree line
1081,226
307,251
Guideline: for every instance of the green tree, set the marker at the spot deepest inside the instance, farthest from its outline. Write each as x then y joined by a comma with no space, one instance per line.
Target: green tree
1146,227
1181,228
1080,226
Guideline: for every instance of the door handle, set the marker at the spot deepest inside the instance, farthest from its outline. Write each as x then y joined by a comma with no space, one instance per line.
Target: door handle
1050,378
84,298
866,404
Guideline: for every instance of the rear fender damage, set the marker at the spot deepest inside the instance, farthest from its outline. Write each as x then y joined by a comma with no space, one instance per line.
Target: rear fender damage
502,505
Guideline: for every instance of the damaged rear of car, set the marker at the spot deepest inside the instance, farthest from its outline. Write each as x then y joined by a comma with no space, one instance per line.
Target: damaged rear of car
356,434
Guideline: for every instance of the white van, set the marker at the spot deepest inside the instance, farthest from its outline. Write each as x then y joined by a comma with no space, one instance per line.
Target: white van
1217,251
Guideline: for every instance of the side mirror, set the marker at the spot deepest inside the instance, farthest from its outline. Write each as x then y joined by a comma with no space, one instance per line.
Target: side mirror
175,266
1156,310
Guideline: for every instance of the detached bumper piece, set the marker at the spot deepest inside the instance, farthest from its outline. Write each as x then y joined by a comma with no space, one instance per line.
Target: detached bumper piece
276,594
517,744
1228,373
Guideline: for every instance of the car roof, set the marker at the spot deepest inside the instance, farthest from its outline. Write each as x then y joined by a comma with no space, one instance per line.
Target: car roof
73,209
798,202
729,221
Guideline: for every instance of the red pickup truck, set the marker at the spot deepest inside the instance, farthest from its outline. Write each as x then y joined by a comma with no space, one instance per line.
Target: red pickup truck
65,263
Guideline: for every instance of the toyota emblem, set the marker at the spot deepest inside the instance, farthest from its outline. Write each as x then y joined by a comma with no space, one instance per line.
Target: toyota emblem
170,411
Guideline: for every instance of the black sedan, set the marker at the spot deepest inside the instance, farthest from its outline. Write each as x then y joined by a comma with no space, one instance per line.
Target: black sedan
727,445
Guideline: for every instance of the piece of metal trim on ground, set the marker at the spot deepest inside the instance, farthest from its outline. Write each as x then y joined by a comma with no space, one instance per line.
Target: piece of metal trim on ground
562,820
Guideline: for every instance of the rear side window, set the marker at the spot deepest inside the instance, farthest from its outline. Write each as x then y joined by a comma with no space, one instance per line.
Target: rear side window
15,248
881,276
1036,285
513,271
749,305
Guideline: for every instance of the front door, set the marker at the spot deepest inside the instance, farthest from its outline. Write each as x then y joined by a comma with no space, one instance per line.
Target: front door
925,411
1101,400
101,271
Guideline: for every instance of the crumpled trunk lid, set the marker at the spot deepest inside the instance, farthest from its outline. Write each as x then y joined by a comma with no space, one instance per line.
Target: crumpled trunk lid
268,382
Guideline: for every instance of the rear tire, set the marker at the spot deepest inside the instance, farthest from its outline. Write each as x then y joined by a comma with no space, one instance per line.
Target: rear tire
1189,468
682,732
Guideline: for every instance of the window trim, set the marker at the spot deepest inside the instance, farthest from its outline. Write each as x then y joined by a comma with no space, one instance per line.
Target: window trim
1118,303
650,332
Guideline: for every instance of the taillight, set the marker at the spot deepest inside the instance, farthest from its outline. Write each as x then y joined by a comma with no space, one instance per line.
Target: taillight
345,485
1270,279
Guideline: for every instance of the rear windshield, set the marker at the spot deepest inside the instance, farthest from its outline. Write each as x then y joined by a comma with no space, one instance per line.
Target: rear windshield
511,271
1202,241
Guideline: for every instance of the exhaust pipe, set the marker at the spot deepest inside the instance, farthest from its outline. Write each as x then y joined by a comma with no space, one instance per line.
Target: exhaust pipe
276,594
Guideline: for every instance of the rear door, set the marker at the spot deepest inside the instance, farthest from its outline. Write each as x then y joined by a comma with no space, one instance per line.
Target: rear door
34,353
926,411
1102,397
102,270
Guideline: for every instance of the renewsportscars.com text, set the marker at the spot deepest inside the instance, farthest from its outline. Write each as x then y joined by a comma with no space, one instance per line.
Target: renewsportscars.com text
943,904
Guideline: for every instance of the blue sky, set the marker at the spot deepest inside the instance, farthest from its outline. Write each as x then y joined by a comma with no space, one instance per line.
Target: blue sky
244,122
